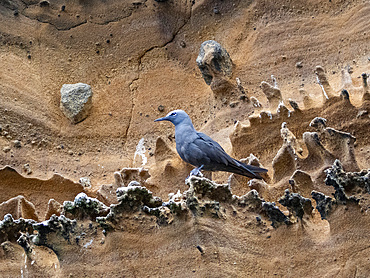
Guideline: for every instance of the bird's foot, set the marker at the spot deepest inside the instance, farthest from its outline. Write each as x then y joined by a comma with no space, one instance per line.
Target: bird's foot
196,172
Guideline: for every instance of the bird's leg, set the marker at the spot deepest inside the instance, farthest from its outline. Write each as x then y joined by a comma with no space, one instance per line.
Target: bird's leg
196,172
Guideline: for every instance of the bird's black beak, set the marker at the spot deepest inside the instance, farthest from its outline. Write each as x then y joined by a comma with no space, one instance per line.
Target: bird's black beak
161,119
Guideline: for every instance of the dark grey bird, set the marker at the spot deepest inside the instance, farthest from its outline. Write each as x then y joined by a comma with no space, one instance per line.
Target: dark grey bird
204,153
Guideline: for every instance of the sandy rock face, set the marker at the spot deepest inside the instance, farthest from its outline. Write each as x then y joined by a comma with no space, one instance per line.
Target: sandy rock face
133,214
76,101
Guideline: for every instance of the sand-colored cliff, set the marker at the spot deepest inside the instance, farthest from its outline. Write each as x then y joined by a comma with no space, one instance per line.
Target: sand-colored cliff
294,98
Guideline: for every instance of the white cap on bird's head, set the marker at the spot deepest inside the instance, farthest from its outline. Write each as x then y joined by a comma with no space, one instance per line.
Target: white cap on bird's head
176,117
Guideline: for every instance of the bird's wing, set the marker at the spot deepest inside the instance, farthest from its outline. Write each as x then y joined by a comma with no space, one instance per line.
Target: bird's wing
212,149
195,154
217,155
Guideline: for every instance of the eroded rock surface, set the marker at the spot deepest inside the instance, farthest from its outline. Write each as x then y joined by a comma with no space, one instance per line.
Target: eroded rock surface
10,229
19,207
273,95
348,186
322,79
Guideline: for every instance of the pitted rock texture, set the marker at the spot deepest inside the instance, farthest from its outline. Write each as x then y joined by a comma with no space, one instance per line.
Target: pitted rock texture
275,215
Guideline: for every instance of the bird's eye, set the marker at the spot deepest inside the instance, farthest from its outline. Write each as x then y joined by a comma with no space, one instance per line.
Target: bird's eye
173,114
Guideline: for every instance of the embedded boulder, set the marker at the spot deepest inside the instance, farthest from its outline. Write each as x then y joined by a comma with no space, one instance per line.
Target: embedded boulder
76,101
216,67
213,60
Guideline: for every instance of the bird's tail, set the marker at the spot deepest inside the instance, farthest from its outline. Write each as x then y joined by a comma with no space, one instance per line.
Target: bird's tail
250,171
255,169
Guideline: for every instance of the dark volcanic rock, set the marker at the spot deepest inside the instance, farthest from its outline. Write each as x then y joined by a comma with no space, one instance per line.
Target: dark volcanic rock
324,204
296,204
346,181
275,215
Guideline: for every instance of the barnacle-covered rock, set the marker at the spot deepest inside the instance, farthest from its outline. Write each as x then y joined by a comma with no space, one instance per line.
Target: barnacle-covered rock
84,207
57,233
254,203
165,213
10,229
344,183
136,195
59,226
131,198
176,203
205,196
206,188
